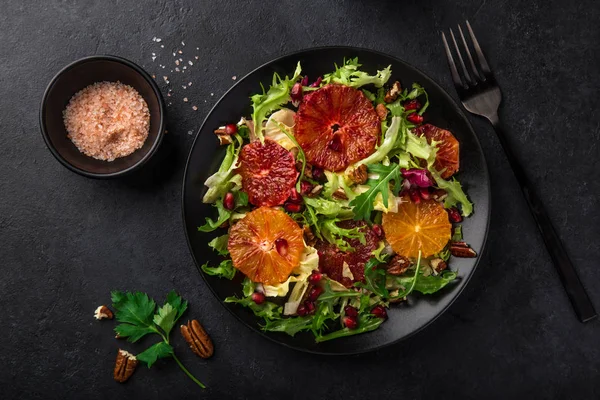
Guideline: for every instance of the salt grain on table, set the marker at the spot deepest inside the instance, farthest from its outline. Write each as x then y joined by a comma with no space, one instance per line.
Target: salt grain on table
107,120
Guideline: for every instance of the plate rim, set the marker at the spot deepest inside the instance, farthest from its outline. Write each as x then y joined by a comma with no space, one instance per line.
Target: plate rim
485,171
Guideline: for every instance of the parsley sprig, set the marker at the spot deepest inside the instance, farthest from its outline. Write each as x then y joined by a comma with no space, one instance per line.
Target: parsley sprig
138,316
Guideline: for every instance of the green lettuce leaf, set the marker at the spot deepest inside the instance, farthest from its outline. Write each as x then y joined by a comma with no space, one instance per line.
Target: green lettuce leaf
219,244
290,326
223,216
389,141
277,95
223,180
224,270
350,75
456,195
266,310
337,235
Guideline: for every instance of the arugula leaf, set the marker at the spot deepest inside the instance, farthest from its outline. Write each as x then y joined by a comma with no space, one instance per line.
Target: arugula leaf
223,217
219,244
135,311
266,310
363,203
224,270
291,326
277,95
431,284
375,278
366,323
323,313
154,352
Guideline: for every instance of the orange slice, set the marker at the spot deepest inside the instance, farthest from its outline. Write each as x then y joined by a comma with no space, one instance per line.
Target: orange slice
424,226
266,245
447,157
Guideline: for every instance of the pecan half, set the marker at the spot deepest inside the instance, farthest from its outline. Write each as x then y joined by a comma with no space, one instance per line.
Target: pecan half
309,237
462,250
398,265
359,174
438,264
199,341
339,194
381,111
439,195
393,93
224,138
124,366
315,191
102,312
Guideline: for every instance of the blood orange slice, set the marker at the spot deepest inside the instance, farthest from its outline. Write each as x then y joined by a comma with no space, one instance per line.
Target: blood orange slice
447,157
266,245
268,173
336,126
424,226
332,259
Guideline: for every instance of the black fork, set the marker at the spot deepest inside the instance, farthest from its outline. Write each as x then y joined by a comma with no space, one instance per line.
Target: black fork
480,95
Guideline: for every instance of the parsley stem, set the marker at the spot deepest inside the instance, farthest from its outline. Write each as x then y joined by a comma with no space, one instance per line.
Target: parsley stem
184,369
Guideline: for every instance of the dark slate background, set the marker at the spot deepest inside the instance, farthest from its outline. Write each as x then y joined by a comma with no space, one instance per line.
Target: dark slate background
67,240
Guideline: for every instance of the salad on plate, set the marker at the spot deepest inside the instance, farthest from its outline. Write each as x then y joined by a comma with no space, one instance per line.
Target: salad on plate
335,200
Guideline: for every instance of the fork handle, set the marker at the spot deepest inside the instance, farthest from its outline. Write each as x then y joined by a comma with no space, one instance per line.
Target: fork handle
568,275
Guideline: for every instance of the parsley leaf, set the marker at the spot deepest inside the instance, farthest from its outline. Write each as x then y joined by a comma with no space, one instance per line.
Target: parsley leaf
363,203
154,352
136,312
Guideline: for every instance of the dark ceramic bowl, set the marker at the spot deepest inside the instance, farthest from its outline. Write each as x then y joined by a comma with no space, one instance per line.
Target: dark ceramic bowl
77,76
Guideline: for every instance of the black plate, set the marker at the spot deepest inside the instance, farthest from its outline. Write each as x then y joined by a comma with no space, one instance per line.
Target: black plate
206,155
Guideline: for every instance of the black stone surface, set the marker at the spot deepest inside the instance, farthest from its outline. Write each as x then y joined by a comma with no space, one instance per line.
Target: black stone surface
67,240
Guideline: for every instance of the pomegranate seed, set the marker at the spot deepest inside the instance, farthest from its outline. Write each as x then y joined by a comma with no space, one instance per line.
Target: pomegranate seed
304,80
301,311
296,92
377,230
229,201
379,311
315,293
424,193
336,143
231,129
350,323
317,82
454,215
414,196
305,187
415,118
412,105
320,253
282,247
318,173
351,312
292,207
295,196
315,277
258,297
310,307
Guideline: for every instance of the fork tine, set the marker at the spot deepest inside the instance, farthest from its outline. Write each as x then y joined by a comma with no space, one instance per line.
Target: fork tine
455,77
471,63
460,59
482,61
